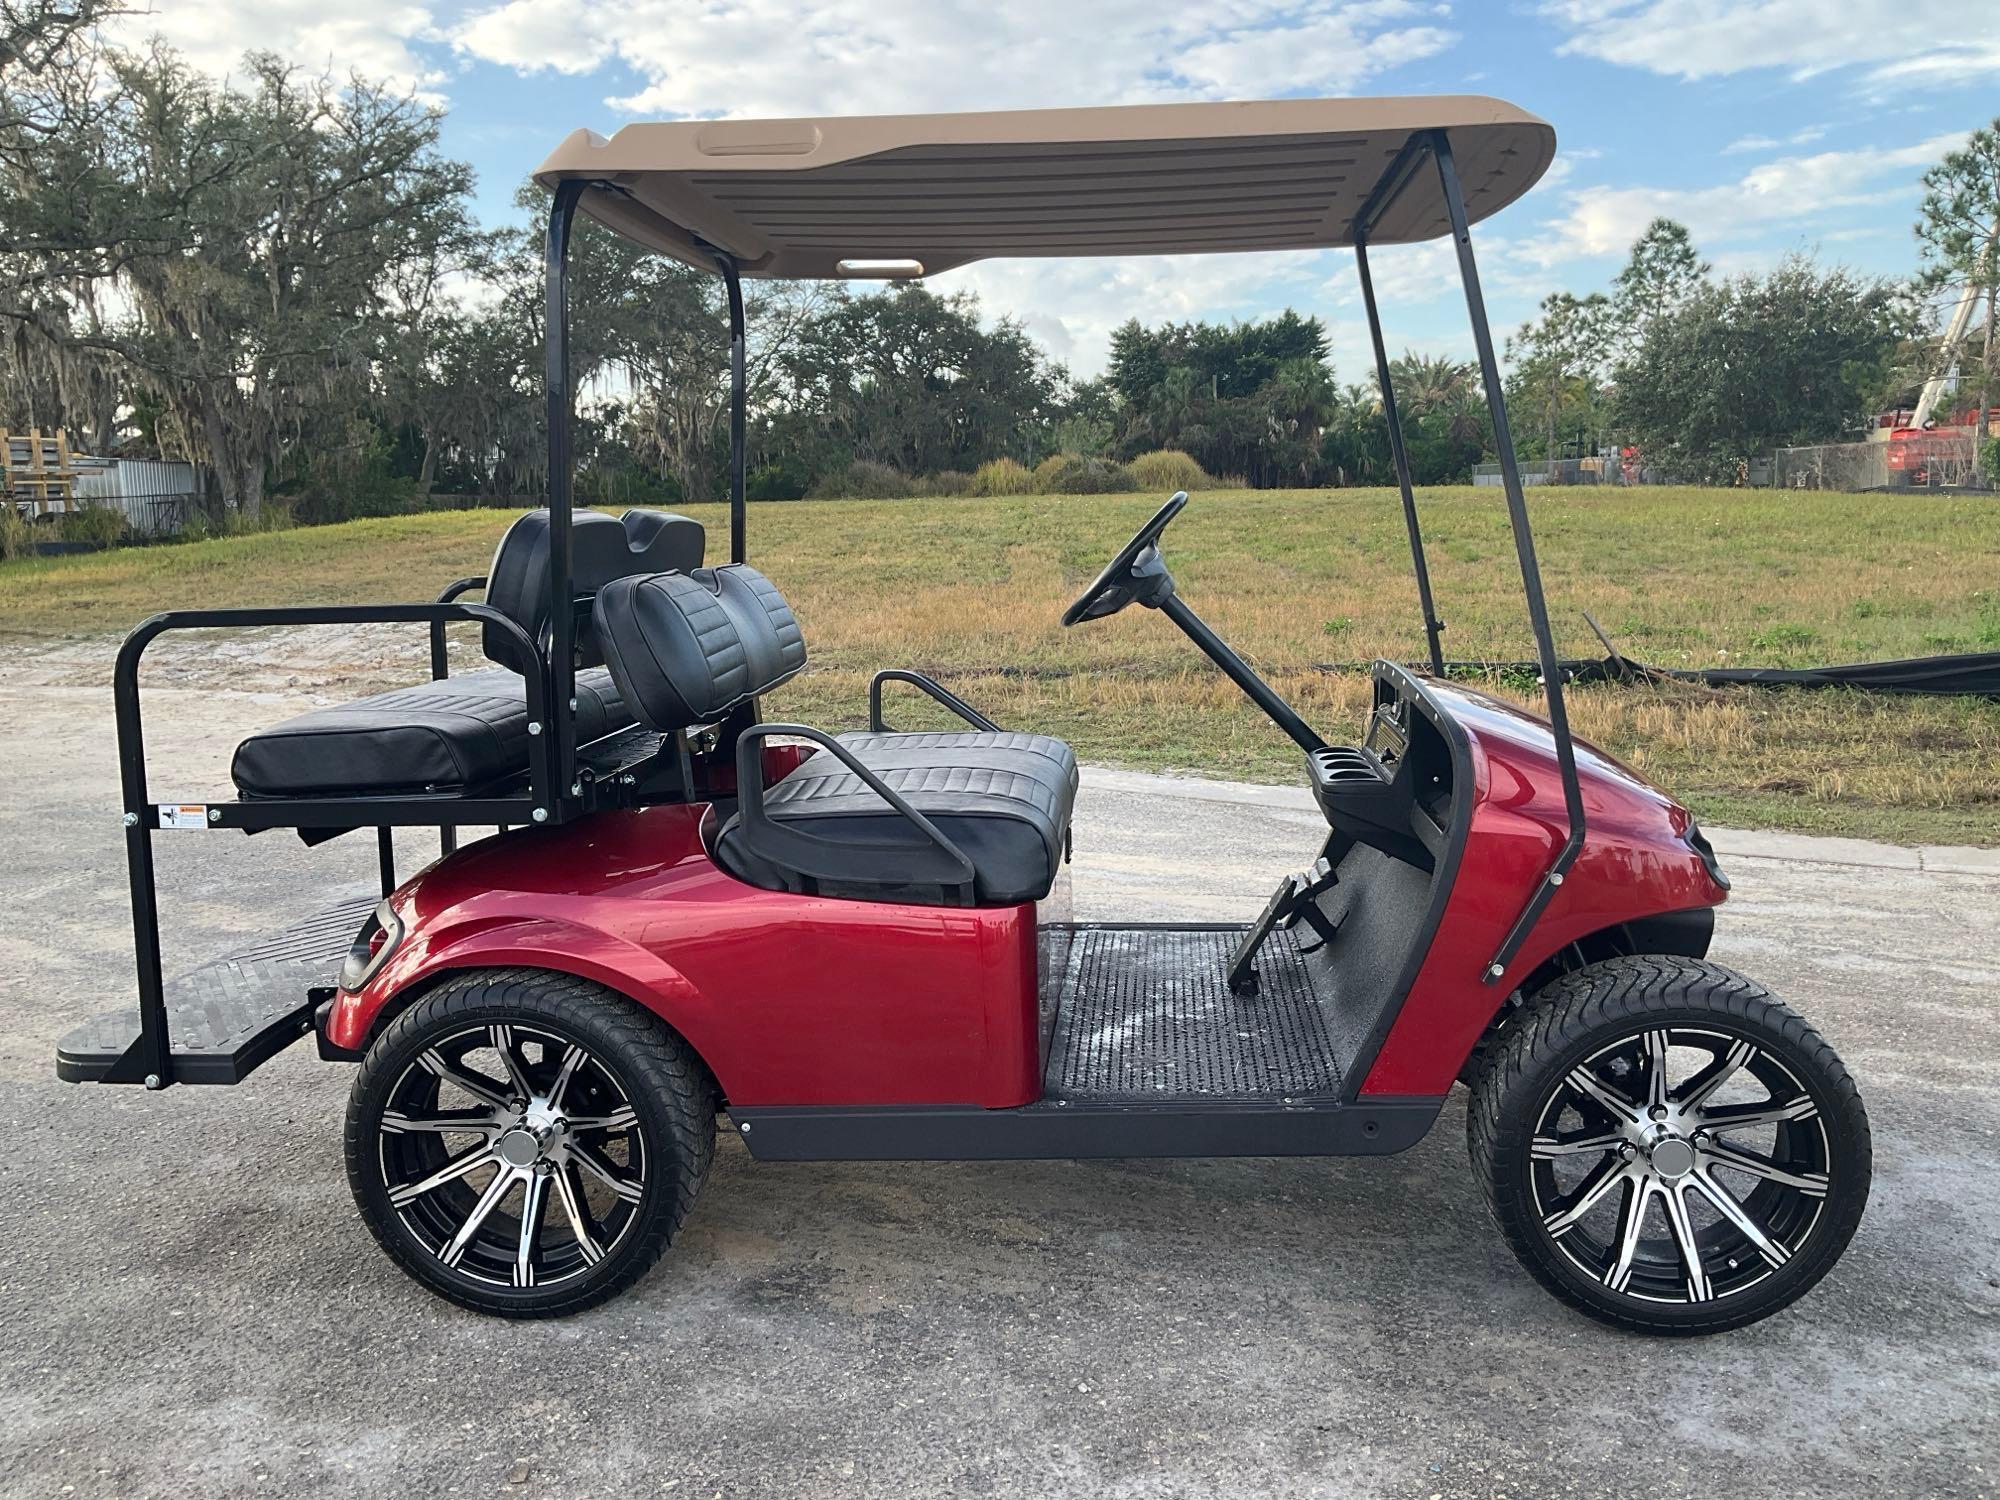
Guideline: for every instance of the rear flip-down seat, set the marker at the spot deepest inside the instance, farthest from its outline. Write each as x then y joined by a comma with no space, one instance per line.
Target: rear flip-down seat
689,649
450,736
461,734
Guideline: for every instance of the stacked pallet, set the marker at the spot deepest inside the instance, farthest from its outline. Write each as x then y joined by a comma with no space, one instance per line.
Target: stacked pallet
37,472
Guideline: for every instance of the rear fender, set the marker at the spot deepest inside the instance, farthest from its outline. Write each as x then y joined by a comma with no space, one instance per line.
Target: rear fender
431,953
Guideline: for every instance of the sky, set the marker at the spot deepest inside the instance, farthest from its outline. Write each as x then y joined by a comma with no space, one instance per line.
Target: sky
1766,126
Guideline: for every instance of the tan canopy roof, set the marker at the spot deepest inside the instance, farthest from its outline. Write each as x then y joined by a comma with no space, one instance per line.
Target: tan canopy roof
798,198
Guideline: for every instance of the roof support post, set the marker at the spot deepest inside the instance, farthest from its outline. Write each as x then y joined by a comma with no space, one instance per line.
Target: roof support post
1400,453
739,397
1524,548
553,757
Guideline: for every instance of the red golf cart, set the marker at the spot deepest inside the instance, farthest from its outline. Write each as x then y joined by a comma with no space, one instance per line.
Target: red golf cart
847,943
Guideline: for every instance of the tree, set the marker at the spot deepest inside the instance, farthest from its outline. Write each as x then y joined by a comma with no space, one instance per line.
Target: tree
1660,274
911,379
1558,361
1756,363
261,246
1958,230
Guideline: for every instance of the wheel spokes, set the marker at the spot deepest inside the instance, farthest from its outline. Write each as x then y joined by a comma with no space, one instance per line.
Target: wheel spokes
1631,1229
534,1205
1766,1112
573,1058
580,1225
1553,1147
1588,1195
1725,1203
627,1188
1655,1045
451,1171
509,1047
1703,1085
1674,1200
475,1084
1723,1154
489,1200
451,1120
1602,1094
622,1118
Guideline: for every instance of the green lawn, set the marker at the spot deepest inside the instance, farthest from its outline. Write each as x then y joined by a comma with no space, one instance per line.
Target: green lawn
970,589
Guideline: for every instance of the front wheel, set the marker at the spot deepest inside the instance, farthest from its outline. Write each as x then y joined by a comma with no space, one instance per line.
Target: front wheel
527,1143
1669,1148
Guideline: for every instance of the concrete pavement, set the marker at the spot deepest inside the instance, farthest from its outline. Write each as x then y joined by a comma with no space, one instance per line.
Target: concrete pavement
188,1303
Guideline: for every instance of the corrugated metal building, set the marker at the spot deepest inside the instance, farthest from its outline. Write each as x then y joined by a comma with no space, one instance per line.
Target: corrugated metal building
156,496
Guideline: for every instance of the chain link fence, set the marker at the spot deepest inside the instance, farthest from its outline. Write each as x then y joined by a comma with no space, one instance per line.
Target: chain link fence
1928,460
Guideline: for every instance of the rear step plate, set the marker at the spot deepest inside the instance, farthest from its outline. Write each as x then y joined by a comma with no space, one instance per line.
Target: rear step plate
234,1012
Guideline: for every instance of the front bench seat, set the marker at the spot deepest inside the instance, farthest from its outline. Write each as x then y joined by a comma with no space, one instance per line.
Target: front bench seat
687,649
1003,798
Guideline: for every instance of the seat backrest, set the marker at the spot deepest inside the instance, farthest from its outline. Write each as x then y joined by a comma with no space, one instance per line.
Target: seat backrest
601,548
686,648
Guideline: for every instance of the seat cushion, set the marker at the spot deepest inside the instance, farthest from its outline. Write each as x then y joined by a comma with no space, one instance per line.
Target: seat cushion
1003,798
448,736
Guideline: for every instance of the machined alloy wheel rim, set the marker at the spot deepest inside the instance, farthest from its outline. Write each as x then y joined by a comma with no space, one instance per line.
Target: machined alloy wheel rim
513,1155
1682,1164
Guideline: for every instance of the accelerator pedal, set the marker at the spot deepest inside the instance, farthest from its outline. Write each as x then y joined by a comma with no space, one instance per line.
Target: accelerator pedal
1294,900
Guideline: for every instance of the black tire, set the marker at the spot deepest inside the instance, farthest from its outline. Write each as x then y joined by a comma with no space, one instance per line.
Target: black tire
618,1112
1561,1061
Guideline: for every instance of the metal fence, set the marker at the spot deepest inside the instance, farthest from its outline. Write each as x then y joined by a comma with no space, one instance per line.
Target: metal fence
1599,470
1928,460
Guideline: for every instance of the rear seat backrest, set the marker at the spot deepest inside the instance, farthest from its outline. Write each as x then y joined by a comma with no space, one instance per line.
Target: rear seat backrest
602,548
686,648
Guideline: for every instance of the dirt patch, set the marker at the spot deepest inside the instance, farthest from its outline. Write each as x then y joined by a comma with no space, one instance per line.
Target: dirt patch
328,663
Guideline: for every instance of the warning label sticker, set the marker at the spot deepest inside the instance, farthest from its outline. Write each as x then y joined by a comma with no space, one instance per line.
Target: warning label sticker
183,815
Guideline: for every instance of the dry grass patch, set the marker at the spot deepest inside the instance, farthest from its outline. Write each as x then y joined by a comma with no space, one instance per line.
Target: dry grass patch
970,589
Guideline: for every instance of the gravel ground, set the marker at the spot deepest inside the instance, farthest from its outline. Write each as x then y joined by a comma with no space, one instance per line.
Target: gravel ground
188,1303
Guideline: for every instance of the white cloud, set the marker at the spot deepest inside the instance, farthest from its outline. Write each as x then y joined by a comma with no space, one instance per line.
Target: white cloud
794,57
1890,41
1789,192
375,38
1762,143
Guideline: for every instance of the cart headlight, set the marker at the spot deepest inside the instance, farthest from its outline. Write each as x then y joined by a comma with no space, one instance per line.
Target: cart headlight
378,938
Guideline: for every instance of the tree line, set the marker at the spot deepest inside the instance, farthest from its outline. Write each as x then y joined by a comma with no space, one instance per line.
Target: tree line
280,278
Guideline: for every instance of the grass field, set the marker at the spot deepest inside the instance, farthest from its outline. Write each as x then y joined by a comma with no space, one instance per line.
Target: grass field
970,590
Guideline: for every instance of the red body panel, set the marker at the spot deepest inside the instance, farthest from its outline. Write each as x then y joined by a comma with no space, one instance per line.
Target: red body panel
1635,863
789,999
807,1000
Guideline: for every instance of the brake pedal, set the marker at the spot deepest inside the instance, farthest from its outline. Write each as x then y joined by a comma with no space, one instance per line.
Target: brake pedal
1291,901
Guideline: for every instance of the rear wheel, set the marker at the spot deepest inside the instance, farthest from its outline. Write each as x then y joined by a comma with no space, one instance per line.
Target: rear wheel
1669,1148
527,1143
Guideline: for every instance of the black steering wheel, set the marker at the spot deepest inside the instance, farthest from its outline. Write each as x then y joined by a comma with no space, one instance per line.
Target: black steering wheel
1119,584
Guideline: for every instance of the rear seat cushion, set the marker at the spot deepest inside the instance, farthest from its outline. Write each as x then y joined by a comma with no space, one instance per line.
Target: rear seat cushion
686,648
1004,798
448,736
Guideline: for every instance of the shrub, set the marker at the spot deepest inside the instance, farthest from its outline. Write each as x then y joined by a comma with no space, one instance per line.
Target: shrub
1002,476
864,479
1167,470
99,525
17,537
945,482
1086,476
1048,468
